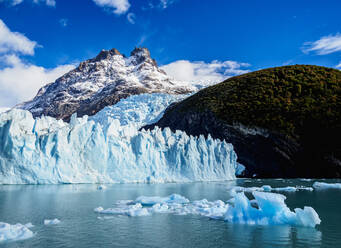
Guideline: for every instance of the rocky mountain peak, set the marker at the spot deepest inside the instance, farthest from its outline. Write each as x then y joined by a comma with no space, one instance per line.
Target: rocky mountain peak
103,81
106,54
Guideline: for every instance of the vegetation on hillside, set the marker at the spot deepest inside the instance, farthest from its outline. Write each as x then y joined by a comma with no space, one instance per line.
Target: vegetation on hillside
292,100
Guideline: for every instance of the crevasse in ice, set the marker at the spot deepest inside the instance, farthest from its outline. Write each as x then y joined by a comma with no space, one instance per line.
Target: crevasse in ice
108,148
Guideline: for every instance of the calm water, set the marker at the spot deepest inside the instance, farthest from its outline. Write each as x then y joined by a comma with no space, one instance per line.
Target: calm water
80,227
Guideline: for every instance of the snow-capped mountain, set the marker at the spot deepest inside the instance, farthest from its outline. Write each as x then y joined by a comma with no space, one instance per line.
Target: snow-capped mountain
103,81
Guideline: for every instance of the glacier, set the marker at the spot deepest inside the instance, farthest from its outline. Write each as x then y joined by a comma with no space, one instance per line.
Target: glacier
109,148
266,209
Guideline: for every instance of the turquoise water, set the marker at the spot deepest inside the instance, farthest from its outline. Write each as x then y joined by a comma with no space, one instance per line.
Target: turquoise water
80,227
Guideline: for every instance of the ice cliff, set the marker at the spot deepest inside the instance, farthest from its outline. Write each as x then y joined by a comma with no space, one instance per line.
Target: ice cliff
108,148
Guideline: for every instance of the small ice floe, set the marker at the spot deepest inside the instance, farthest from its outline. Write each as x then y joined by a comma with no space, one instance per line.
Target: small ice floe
124,202
51,222
128,210
151,200
101,187
321,185
15,232
306,179
265,209
268,188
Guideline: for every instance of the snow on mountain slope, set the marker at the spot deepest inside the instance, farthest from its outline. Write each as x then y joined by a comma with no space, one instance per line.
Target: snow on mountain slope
108,148
103,81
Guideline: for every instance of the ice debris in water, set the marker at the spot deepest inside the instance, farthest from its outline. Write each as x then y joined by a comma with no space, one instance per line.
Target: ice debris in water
15,232
101,187
268,188
109,148
265,209
321,185
51,222
151,200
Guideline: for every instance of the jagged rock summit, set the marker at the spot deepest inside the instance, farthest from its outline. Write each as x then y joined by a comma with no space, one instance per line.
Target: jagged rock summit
103,81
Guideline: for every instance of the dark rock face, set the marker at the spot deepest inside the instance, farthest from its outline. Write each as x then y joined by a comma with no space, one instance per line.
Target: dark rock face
265,154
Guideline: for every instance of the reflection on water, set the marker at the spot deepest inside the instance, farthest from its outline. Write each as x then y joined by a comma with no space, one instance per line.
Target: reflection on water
81,227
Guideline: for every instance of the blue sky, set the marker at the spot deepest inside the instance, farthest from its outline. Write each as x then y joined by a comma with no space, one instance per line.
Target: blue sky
261,33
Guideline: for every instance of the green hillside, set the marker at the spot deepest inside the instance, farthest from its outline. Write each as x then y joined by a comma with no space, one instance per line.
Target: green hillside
291,99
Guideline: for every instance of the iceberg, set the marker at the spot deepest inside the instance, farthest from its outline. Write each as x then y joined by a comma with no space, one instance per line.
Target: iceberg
51,222
265,209
321,185
15,232
109,148
271,210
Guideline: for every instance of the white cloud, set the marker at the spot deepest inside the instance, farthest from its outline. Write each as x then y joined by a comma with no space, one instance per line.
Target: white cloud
200,71
20,81
160,4
63,22
339,65
51,3
325,45
166,3
14,41
13,2
119,6
131,18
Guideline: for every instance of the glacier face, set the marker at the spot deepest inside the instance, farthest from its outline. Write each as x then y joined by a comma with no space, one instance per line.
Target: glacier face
108,148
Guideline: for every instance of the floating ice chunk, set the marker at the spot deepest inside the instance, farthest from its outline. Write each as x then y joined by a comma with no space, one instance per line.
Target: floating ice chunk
271,210
265,209
151,200
286,189
29,225
129,210
268,188
15,232
321,185
105,217
101,187
124,202
51,222
306,179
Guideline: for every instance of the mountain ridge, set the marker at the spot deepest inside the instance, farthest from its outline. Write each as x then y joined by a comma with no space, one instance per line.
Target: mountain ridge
102,81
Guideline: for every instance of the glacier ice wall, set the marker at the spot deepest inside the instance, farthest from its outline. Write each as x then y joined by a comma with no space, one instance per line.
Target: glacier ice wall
108,148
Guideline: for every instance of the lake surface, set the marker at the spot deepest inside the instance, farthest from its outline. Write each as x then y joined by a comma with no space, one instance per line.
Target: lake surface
80,226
